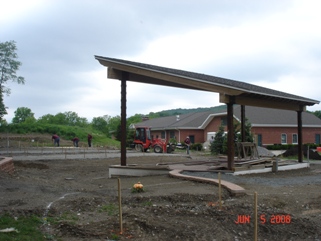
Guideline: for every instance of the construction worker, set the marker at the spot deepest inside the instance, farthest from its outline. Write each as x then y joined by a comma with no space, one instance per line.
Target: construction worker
89,138
55,138
75,141
187,142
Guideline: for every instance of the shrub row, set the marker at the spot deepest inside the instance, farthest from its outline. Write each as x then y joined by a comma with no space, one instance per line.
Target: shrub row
290,146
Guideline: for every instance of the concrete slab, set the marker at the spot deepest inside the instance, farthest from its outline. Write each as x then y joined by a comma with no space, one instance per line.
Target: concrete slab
269,169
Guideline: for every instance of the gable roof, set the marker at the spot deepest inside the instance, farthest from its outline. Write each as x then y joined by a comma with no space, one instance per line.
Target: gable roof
185,121
242,93
273,117
264,117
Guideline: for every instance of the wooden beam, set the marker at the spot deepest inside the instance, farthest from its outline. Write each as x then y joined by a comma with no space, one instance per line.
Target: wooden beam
264,103
180,82
157,77
114,74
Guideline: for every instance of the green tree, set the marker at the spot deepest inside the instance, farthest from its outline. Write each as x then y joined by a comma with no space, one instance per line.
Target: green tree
153,115
3,109
130,136
118,132
317,113
46,119
72,119
218,142
9,65
30,120
101,123
68,118
3,123
22,114
60,119
82,122
134,119
248,133
113,123
220,145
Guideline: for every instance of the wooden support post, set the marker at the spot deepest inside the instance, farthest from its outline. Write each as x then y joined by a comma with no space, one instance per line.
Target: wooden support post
120,208
123,119
230,135
300,149
219,190
243,122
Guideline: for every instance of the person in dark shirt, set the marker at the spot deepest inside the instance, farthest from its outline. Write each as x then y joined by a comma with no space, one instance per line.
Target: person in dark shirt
75,141
187,143
55,138
89,139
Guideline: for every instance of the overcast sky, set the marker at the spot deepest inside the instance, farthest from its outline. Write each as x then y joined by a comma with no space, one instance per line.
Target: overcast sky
275,44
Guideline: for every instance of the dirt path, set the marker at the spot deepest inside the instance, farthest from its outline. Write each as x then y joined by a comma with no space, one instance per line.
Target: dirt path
79,202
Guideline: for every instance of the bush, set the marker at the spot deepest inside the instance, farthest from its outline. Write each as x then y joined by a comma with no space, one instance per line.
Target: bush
280,146
196,147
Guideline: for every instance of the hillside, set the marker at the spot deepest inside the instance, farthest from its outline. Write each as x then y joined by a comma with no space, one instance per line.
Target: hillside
26,141
181,111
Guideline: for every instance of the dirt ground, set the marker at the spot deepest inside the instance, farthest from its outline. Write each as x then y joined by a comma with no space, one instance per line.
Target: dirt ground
77,201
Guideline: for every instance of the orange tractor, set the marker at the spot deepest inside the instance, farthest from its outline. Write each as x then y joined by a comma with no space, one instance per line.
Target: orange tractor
144,142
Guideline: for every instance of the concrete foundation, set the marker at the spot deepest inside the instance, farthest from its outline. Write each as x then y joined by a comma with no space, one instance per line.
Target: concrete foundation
270,169
138,171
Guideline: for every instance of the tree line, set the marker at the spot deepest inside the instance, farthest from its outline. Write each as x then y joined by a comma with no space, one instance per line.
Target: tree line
24,116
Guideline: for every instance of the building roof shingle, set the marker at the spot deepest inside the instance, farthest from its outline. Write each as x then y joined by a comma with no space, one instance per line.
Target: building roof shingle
257,117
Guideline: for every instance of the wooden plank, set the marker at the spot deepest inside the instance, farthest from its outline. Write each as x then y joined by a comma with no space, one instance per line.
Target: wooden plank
252,162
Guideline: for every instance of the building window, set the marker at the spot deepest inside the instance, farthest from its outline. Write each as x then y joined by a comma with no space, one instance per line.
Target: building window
294,138
163,134
171,134
283,138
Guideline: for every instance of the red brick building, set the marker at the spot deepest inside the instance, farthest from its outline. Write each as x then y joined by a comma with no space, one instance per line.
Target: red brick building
269,126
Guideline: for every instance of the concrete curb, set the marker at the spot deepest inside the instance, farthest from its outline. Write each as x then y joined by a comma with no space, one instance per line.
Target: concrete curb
234,189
